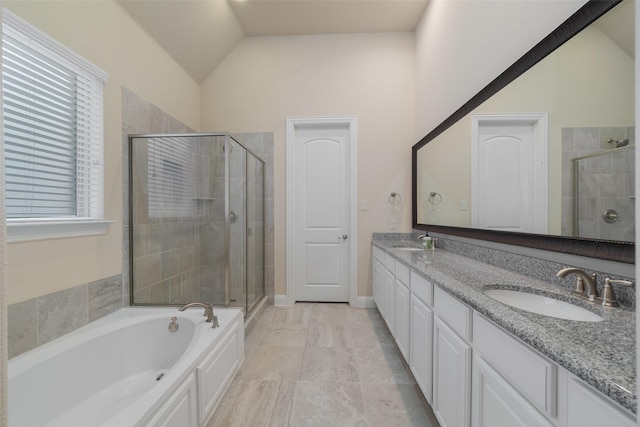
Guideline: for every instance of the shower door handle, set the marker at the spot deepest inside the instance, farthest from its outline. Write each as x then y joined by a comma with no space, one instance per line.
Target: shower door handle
344,237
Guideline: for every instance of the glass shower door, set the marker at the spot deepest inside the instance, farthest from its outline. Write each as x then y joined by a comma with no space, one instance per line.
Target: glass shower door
237,223
255,230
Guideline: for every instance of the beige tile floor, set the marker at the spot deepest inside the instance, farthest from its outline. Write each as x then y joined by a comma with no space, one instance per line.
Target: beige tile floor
323,365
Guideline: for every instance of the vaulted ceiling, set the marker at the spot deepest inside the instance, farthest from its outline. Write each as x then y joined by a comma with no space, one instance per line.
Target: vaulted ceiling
199,34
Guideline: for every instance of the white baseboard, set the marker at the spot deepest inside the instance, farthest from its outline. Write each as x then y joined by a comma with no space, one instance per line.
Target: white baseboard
365,302
281,300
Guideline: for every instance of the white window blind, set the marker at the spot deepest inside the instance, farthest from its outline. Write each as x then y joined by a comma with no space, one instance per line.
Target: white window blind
53,127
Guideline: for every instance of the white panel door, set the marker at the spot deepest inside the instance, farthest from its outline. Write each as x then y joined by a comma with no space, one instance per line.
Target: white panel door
509,172
322,195
504,177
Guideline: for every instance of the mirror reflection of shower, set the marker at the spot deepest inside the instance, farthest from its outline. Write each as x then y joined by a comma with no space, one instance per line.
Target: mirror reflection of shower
196,221
599,183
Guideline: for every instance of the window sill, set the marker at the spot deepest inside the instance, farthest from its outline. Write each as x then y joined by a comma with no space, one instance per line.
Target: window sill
27,231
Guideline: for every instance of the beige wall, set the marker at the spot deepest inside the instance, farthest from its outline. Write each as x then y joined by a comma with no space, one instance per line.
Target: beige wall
370,76
104,34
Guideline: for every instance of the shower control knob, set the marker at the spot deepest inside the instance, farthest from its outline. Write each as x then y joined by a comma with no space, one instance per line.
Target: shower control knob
610,216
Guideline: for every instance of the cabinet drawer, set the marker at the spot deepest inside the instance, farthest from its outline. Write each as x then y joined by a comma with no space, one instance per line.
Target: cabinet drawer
403,274
534,376
453,313
422,288
390,263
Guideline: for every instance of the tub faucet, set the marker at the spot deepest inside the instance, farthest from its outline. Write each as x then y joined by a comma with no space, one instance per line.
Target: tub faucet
208,311
590,291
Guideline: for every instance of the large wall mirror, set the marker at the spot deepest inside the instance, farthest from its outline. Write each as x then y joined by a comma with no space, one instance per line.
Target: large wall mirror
543,156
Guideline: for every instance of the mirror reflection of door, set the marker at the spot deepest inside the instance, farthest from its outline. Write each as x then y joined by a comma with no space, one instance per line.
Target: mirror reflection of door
509,172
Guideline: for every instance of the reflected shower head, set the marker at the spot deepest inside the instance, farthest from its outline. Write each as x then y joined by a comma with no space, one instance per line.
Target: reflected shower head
618,142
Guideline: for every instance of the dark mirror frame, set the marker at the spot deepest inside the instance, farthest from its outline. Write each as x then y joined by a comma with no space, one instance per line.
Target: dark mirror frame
609,250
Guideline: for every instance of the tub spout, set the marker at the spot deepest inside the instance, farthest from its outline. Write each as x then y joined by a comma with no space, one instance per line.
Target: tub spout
208,311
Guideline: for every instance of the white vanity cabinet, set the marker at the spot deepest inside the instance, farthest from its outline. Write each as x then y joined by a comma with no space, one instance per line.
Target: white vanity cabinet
451,361
402,312
421,341
474,373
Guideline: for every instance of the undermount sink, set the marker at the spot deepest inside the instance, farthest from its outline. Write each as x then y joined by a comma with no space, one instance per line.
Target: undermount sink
541,304
408,248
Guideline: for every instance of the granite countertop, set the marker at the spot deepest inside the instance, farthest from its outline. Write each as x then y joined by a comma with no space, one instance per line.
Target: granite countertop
602,354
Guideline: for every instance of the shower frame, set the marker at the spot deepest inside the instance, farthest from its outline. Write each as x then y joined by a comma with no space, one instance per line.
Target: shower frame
227,218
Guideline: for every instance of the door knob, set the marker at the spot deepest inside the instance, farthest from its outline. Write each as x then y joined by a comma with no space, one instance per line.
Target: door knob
344,237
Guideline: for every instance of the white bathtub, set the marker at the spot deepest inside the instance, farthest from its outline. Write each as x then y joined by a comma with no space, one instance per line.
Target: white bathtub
128,369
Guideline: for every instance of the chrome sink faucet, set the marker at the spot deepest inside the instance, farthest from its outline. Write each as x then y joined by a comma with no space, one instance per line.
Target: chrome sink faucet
208,311
585,285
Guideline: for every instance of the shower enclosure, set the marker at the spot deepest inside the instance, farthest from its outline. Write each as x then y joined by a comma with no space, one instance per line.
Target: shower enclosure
604,194
196,221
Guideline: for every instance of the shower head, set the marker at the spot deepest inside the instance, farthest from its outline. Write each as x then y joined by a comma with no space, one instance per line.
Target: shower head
618,142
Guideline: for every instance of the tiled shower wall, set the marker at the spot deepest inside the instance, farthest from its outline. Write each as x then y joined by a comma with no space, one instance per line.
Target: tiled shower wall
190,268
606,181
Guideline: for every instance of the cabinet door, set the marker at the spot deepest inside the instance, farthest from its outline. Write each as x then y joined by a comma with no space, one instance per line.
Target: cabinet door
497,404
451,377
402,318
421,346
378,285
588,408
389,299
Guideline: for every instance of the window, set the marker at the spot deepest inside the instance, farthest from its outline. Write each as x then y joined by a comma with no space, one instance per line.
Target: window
53,136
